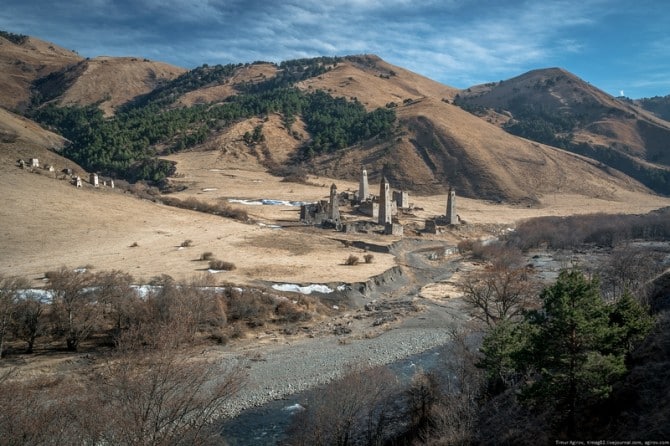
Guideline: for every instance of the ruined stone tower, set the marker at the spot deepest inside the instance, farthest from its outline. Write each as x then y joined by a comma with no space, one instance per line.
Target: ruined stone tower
384,203
363,191
452,218
334,205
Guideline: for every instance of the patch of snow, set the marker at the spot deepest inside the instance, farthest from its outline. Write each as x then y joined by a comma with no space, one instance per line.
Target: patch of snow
294,408
209,189
269,226
266,202
45,296
309,289
341,288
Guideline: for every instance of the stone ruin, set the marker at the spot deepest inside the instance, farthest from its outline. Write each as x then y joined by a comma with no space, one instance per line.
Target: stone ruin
381,208
440,223
323,213
94,180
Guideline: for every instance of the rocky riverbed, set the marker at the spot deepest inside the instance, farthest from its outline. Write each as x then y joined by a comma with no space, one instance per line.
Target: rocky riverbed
277,371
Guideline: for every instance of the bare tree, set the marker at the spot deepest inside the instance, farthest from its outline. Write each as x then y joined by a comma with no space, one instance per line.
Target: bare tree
75,310
164,397
29,319
630,269
498,294
350,408
9,289
47,410
114,289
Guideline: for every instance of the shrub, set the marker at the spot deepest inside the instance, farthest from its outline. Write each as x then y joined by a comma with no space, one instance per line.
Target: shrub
207,256
222,209
352,260
186,243
368,258
221,265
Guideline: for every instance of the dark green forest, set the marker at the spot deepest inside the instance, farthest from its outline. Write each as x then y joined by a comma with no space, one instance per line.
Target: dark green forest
126,145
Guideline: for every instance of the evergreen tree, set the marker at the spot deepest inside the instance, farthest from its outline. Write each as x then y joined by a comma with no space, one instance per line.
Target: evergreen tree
568,354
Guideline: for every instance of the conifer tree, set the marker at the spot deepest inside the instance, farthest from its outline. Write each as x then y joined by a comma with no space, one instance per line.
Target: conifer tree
569,353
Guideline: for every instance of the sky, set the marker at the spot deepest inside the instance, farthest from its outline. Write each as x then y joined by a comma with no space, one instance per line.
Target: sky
620,46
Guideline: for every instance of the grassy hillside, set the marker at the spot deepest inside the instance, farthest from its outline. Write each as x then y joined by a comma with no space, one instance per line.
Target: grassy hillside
554,107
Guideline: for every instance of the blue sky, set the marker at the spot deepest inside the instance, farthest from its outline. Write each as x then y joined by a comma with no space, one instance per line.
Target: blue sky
620,46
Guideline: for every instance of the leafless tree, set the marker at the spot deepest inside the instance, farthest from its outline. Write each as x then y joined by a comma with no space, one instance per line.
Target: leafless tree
348,409
630,269
114,290
47,410
164,397
501,293
75,311
9,289
29,319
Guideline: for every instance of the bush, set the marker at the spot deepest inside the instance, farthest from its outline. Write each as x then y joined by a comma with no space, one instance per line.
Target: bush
221,209
221,265
352,260
207,256
186,243
368,258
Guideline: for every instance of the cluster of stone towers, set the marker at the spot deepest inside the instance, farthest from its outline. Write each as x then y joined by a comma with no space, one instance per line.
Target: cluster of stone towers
381,208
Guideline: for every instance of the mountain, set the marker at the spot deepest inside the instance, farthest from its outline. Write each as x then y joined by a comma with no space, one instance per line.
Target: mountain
328,116
555,107
23,60
108,82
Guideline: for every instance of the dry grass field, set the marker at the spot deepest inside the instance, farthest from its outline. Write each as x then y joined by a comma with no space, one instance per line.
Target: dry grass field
47,223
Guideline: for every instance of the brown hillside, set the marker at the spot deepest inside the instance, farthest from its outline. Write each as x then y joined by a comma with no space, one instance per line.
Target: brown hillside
376,83
21,138
251,73
21,64
445,146
603,120
113,81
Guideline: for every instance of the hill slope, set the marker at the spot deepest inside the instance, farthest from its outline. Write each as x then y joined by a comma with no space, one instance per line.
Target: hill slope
22,62
555,107
106,81
433,144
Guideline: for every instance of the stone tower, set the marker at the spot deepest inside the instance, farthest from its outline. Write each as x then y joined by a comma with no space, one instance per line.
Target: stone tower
363,191
334,205
384,203
452,218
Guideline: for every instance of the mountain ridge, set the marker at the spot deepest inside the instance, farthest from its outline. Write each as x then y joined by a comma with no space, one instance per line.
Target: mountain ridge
435,145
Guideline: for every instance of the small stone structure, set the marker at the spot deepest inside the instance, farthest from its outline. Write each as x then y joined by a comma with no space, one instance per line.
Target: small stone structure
94,180
78,182
50,168
34,162
314,213
111,184
370,208
401,199
363,189
393,229
324,213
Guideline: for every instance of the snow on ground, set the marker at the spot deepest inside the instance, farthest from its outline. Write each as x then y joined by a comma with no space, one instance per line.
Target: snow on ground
266,202
308,289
